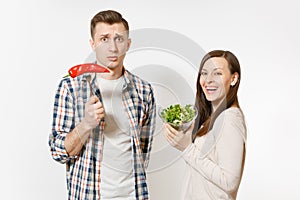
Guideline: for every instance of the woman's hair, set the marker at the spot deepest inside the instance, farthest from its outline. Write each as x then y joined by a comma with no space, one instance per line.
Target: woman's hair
108,17
205,117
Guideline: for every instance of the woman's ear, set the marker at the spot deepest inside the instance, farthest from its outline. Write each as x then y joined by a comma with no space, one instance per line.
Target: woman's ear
235,78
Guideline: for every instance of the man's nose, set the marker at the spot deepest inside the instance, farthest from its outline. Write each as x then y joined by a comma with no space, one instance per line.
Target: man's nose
113,46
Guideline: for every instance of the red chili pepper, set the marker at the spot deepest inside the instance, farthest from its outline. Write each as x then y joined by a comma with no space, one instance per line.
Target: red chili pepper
86,68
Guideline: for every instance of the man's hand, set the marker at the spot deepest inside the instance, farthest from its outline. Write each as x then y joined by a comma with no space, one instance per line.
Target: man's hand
94,112
178,139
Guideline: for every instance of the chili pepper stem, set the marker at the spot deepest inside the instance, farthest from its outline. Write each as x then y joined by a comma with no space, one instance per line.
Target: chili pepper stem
66,76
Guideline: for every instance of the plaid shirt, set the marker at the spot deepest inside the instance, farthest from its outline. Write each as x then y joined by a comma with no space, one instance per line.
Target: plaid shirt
83,170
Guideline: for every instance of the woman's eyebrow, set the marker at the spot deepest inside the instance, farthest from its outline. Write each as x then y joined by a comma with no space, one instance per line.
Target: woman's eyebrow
216,68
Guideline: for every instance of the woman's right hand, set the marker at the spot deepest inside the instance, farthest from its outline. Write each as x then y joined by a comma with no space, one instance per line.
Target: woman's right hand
178,139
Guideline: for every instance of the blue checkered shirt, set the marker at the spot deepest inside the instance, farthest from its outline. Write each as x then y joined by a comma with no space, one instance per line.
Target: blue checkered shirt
83,170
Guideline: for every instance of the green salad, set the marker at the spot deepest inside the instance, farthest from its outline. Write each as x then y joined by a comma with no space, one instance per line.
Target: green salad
176,115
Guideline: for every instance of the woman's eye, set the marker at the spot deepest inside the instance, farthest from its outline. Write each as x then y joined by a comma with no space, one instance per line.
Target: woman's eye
218,73
203,73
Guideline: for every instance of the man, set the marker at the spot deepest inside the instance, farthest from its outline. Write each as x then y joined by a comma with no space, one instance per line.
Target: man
103,124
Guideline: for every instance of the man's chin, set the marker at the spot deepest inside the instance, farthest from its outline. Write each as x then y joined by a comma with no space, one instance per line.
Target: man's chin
113,65
110,64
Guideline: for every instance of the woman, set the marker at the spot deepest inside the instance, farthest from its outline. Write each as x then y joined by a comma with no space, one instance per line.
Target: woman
214,149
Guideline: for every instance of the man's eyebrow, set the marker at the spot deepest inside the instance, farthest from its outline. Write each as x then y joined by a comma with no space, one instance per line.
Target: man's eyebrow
120,34
104,35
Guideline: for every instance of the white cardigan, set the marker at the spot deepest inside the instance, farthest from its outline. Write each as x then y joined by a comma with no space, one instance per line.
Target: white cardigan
215,161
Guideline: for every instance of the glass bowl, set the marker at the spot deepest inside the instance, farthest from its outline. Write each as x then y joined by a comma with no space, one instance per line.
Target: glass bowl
182,124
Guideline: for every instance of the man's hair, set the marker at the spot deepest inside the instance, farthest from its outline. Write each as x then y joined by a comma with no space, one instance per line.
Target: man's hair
110,17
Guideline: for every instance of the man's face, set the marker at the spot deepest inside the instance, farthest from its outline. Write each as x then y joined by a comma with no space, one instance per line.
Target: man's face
110,43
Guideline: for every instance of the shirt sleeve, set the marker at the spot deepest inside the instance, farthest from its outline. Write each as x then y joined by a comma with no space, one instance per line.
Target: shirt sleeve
148,128
63,116
230,148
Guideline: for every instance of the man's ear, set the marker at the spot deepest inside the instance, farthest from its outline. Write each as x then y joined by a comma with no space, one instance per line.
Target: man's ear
128,43
92,43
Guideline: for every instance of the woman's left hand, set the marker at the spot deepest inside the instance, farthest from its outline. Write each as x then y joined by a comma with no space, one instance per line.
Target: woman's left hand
178,139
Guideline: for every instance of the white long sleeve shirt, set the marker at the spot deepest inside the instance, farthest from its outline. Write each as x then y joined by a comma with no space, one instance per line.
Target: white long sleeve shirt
215,161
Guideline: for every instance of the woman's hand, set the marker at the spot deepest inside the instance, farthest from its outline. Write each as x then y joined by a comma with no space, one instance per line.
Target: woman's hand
178,139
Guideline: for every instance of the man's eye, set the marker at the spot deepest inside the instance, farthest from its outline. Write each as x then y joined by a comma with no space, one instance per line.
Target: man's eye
104,39
119,39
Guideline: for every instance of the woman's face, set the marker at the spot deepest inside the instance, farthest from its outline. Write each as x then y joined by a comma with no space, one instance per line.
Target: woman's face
215,79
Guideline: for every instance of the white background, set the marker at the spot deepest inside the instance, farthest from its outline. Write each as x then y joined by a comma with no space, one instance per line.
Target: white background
41,39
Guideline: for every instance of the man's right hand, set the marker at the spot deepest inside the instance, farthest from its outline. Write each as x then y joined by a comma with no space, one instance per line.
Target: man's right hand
94,112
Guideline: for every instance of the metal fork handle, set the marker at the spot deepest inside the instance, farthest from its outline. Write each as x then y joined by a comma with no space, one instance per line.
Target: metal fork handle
88,79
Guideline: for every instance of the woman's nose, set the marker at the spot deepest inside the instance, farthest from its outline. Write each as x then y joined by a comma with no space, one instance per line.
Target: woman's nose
209,77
